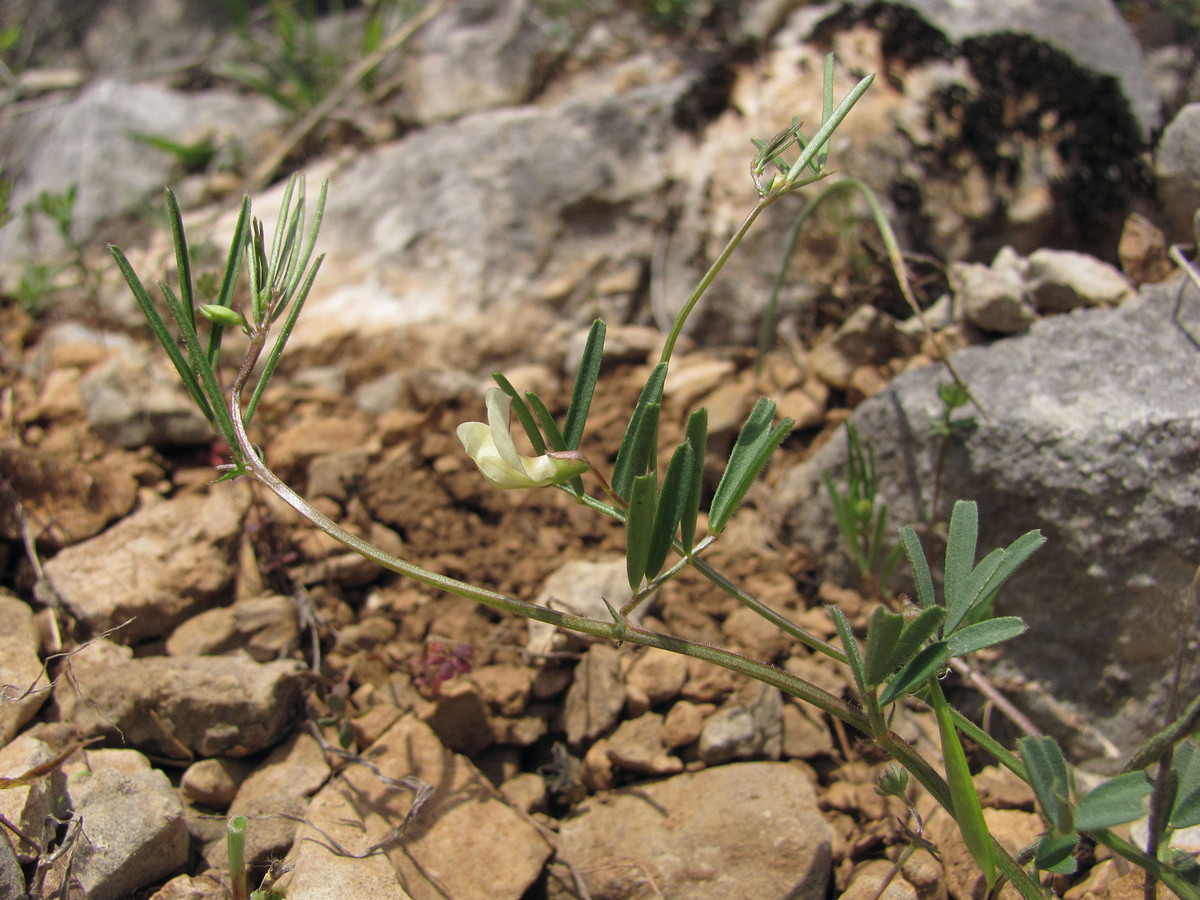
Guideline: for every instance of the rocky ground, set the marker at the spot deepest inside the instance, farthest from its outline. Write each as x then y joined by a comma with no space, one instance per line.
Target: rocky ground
221,657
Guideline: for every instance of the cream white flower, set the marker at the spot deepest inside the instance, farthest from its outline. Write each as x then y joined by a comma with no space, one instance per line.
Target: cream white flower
492,448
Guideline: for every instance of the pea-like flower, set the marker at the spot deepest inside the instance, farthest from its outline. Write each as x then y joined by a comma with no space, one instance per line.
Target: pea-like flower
495,453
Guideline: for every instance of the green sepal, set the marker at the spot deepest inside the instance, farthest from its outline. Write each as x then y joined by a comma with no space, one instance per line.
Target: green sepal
916,672
585,386
554,437
1048,777
985,634
1116,801
641,435
697,437
755,443
639,526
671,501
883,631
920,566
521,409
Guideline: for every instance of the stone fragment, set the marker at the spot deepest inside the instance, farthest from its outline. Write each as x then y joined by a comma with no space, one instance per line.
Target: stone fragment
656,677
465,842
869,877
596,697
580,587
208,886
12,879
505,688
25,685
804,738
745,731
170,707
135,829
525,791
682,724
1177,167
459,717
1143,251
867,337
637,746
136,399
213,782
991,298
66,499
1061,280
690,834
754,635
157,567
29,806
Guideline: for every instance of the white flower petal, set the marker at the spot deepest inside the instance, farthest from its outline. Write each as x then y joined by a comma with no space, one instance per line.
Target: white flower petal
499,406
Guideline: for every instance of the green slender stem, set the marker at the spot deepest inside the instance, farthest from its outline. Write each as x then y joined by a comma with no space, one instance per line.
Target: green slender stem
711,274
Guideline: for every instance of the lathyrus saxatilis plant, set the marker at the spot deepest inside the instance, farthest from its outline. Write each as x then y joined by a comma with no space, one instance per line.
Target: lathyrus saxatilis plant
903,654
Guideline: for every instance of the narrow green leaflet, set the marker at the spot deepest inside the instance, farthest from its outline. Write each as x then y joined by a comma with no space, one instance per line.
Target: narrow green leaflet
640,435
972,593
919,670
1114,802
960,560
233,265
882,634
753,448
1185,811
182,259
920,566
697,437
639,526
984,634
521,409
915,634
554,437
585,386
1014,557
1048,776
670,508
821,138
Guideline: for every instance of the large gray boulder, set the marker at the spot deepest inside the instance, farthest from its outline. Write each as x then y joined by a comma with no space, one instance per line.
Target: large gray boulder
1091,435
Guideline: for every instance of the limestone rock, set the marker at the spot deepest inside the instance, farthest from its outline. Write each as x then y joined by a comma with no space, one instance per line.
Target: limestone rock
464,842
596,697
1090,439
1177,166
1060,281
690,834
29,806
158,566
991,300
580,587
637,746
136,399
25,685
167,706
135,828
745,731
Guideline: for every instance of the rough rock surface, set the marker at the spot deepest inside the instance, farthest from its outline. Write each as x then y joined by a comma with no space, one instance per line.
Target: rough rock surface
1088,437
464,842
25,685
686,835
157,567
172,707
134,825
